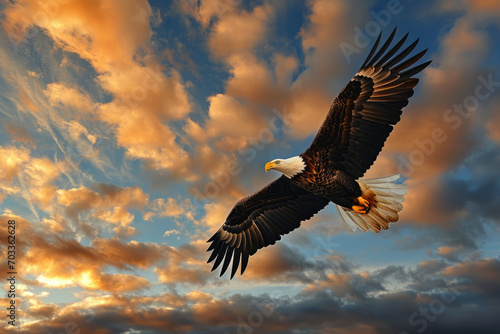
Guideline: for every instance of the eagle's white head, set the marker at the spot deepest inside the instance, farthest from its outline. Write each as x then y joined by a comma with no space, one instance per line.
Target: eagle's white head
290,167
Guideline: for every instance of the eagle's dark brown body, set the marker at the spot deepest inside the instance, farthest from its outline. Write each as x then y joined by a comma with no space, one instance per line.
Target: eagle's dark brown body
331,184
319,177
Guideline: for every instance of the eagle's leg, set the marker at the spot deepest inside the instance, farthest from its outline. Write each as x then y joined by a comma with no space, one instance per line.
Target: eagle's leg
352,195
363,207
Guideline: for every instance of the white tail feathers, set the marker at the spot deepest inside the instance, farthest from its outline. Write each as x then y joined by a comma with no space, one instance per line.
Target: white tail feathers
385,197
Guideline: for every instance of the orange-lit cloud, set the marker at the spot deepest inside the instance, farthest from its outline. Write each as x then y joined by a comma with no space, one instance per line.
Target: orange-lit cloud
58,93
111,36
34,175
19,133
330,24
105,202
14,158
173,208
239,32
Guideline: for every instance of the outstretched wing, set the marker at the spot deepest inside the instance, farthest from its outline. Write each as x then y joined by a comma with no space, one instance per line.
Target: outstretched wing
260,220
362,116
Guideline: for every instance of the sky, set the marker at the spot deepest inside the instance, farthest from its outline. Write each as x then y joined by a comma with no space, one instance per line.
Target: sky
130,128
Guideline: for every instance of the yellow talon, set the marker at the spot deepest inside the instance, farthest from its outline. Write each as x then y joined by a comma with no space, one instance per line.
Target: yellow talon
359,209
363,206
363,202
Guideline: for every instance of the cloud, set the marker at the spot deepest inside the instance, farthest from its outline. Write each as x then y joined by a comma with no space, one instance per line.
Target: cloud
173,208
133,253
275,263
444,88
30,177
176,274
451,253
216,214
40,174
328,25
59,93
479,9
238,124
170,232
108,203
259,83
478,276
93,280
14,159
186,265
206,11
492,126
19,133
57,262
239,32
114,38
233,39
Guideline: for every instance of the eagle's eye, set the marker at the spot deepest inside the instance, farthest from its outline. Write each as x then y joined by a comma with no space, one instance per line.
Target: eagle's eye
278,162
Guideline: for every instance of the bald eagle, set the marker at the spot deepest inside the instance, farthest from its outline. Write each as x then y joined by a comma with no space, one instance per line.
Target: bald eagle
358,123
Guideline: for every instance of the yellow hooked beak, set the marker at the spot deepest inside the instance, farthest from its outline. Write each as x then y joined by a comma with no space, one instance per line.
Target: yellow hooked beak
270,165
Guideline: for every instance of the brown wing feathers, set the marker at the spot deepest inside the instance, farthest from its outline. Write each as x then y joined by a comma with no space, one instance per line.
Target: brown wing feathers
260,220
364,113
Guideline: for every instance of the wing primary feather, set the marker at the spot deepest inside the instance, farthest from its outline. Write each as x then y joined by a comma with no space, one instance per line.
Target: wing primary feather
236,262
213,237
244,261
213,244
212,256
372,51
216,250
414,70
392,51
409,62
222,252
227,260
402,54
382,49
